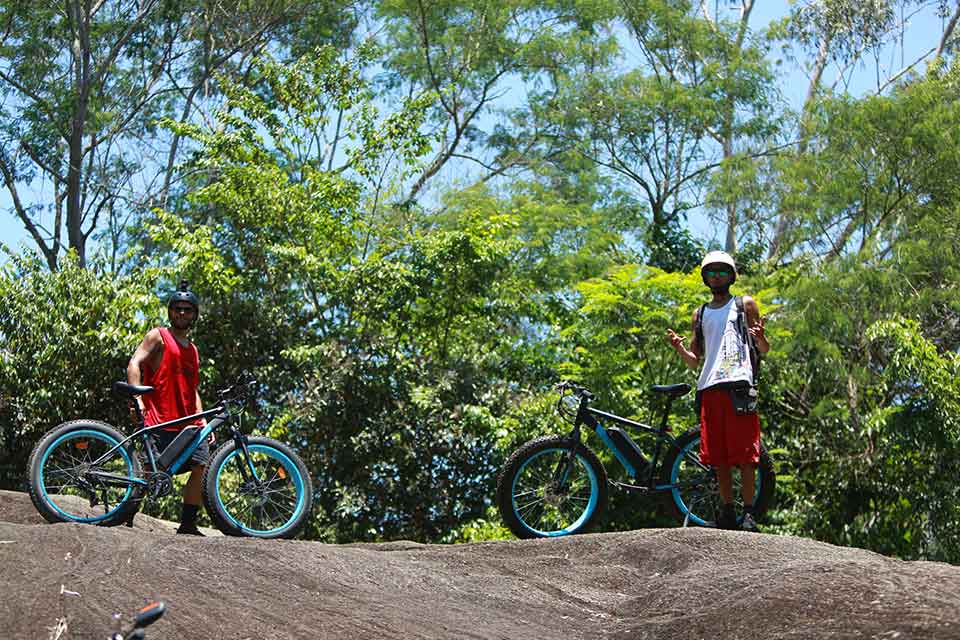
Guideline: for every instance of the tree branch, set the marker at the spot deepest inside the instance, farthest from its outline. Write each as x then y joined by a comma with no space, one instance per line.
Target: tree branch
24,216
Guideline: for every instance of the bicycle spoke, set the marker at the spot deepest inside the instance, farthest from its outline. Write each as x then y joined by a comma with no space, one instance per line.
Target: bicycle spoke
282,514
529,505
539,509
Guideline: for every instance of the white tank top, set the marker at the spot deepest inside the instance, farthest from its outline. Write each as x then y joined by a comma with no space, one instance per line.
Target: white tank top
725,356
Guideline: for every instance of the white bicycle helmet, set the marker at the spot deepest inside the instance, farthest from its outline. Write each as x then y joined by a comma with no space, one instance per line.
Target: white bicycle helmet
718,257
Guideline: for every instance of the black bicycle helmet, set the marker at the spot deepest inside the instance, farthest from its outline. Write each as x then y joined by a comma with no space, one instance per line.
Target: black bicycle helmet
183,294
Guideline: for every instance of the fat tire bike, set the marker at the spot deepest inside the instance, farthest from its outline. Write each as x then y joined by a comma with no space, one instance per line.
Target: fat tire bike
87,471
555,485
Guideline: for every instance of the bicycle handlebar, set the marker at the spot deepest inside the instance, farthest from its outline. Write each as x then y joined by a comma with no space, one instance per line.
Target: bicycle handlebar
569,389
143,618
575,388
239,389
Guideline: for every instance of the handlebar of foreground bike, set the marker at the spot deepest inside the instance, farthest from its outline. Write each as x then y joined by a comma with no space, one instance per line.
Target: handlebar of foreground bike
142,619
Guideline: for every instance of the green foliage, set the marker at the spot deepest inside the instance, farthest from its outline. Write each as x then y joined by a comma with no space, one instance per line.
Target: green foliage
482,529
662,128
864,405
66,336
873,167
85,85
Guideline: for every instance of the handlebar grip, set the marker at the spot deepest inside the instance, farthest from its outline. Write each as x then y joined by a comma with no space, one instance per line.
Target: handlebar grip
149,614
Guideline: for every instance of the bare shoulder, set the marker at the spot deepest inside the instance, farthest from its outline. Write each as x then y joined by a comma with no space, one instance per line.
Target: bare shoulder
153,341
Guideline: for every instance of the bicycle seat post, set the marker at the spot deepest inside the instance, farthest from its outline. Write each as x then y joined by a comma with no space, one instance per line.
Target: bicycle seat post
666,413
136,408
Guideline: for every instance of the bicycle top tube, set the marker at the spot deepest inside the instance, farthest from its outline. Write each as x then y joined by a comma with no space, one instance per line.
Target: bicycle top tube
185,419
624,421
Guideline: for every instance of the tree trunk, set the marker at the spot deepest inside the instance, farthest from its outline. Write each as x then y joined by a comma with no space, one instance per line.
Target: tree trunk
81,87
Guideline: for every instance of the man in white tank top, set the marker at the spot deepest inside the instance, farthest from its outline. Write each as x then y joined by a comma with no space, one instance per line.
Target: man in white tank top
727,439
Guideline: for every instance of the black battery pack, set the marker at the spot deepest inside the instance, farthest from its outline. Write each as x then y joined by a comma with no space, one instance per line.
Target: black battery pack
176,446
628,449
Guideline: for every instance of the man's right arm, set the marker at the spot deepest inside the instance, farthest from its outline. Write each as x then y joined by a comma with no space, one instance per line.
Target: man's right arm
690,356
152,342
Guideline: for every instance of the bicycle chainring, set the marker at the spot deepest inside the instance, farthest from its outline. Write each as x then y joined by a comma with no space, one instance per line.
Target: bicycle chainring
159,484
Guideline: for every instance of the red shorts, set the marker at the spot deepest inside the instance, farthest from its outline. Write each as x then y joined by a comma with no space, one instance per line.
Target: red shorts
727,439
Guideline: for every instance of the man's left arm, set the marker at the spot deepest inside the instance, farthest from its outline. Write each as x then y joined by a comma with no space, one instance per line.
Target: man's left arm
755,324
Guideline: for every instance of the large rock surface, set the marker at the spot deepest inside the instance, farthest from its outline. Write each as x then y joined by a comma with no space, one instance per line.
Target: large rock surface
659,584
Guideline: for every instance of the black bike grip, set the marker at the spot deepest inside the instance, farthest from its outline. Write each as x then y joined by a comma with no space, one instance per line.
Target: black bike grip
149,614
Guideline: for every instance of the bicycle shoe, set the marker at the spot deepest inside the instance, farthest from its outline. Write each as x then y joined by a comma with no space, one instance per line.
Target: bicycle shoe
190,531
727,519
749,524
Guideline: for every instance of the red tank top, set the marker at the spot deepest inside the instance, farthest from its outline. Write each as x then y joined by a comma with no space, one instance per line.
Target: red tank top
174,383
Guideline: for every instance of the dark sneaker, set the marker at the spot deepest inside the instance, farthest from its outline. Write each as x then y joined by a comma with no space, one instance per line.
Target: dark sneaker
727,519
190,531
749,524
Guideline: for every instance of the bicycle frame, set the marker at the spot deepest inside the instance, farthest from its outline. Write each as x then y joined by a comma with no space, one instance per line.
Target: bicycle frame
219,415
587,415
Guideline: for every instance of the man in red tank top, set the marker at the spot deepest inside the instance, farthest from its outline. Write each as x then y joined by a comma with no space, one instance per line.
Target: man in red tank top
168,361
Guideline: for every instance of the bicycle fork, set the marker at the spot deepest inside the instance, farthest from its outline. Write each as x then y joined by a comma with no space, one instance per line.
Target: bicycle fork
562,473
247,471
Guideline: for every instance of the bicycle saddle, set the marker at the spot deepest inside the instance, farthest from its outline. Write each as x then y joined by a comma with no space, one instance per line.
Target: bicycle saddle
130,389
675,390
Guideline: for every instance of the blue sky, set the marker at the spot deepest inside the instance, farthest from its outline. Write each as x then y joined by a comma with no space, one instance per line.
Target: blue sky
922,33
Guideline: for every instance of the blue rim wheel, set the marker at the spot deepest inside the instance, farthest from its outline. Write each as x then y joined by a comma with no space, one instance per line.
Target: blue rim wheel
270,498
540,494
67,486
695,493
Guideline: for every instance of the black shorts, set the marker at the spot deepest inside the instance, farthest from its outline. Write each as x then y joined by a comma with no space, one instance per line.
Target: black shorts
199,457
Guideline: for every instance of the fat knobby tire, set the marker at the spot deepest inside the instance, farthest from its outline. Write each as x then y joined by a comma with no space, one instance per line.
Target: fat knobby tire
515,463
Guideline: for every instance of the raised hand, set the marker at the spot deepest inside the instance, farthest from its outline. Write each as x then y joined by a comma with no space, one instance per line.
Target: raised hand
676,340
